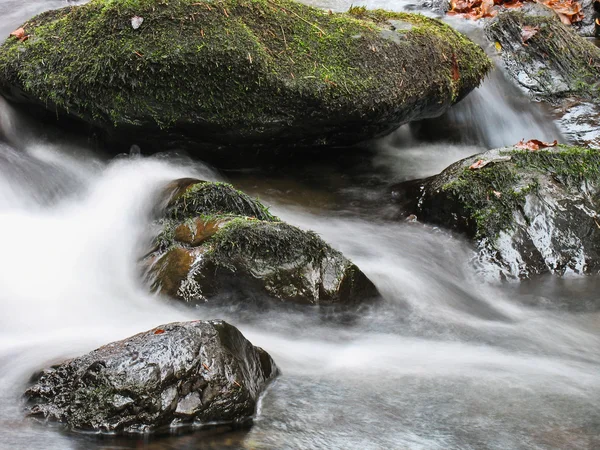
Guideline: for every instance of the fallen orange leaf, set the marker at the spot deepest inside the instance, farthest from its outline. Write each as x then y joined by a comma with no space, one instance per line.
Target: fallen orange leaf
478,165
20,34
534,144
528,32
159,331
569,11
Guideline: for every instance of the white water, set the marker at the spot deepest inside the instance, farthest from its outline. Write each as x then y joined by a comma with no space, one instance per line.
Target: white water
448,362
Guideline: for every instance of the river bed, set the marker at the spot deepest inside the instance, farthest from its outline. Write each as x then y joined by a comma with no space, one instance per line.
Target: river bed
453,359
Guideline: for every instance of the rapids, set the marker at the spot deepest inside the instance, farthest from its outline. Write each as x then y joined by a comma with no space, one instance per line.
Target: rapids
451,360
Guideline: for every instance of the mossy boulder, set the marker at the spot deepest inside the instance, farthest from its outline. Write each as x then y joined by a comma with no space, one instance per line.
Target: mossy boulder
553,63
243,73
219,245
183,373
529,212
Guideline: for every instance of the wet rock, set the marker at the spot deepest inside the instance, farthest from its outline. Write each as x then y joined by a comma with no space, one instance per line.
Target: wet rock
528,212
578,121
183,373
553,63
219,245
587,27
238,74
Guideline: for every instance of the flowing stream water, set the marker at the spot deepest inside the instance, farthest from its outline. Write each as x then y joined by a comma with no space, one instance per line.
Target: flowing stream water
451,360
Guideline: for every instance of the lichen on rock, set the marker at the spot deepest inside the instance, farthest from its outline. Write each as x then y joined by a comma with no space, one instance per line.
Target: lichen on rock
239,72
528,212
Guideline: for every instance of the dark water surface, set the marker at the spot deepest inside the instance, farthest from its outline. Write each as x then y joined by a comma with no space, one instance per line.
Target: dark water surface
451,360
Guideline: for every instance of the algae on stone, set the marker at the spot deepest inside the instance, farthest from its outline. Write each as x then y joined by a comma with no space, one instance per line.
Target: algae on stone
529,212
240,72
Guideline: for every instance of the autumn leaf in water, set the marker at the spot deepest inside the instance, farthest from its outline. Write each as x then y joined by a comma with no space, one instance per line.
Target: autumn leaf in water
534,144
528,32
20,34
478,165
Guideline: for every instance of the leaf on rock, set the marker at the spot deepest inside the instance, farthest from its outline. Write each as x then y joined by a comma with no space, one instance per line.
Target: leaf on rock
534,144
19,33
159,331
455,71
478,165
528,32
569,11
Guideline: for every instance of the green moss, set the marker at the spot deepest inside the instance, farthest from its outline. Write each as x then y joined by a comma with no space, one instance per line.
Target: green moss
559,60
571,166
490,196
465,64
233,63
216,199
272,243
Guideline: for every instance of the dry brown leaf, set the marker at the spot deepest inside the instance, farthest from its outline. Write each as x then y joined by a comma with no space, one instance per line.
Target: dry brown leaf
569,11
19,33
534,144
527,32
455,71
159,331
478,165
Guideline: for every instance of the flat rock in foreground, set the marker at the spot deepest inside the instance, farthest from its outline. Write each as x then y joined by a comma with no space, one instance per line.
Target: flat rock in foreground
529,212
250,73
176,374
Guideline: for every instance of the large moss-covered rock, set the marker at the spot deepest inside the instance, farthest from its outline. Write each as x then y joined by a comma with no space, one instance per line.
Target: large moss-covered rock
182,373
554,62
238,72
529,212
217,244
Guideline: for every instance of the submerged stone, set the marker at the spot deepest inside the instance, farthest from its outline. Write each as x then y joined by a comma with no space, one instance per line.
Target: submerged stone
183,373
219,245
230,73
528,212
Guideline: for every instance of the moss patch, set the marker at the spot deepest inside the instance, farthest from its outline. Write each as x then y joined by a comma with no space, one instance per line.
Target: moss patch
491,195
208,198
273,243
255,66
556,59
